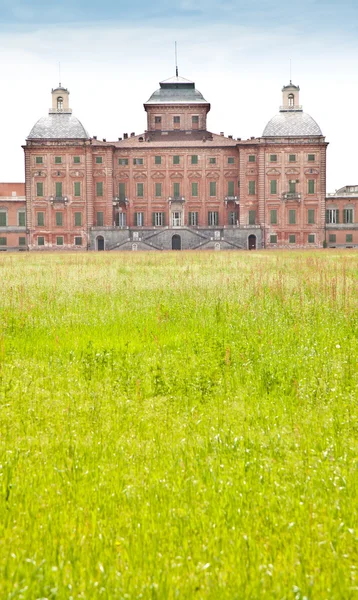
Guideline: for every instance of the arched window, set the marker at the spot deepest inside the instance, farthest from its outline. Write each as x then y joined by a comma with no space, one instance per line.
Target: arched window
59,103
291,100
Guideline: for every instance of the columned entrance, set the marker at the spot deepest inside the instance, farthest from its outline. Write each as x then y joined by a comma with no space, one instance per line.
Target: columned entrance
176,242
100,243
252,242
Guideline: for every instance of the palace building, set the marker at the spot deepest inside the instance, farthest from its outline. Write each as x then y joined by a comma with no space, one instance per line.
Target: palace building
175,186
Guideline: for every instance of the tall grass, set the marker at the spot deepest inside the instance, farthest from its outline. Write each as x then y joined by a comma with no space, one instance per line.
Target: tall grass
179,425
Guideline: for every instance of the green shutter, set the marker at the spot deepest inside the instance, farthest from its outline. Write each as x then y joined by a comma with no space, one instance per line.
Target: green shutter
252,217
176,160
59,219
252,188
122,191
273,186
99,219
194,159
292,187
39,189
273,217
135,220
77,186
153,219
21,219
41,219
163,218
140,190
158,160
337,216
78,219
231,188
212,190
310,216
58,189
158,190
99,188
176,190
3,219
194,189
76,159
292,217
311,186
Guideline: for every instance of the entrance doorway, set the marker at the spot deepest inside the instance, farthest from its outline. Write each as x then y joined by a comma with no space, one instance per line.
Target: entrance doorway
176,242
252,242
100,243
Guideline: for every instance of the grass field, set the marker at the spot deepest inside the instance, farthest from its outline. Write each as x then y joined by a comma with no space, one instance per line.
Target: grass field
179,425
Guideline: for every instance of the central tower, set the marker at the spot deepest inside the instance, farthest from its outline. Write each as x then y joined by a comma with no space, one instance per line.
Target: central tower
177,105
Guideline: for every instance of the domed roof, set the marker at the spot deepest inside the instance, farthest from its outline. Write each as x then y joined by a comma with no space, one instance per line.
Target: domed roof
177,90
58,126
292,123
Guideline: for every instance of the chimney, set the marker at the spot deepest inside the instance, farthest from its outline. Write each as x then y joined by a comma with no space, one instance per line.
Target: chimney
125,136
132,134
239,139
119,139
221,133
104,139
94,137
230,137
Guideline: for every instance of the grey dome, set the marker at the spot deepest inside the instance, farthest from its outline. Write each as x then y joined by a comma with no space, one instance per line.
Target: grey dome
292,123
177,90
58,126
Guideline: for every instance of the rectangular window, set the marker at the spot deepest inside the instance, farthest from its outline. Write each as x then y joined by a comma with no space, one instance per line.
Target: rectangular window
311,238
292,157
40,241
311,216
212,188
157,119
59,240
311,158
121,220
193,219
77,188
176,190
22,241
332,215
137,161
158,123
273,186
194,159
273,238
157,160
99,219
231,188
213,218
230,160
348,215
176,120
176,160
252,217
158,190
78,241
332,238
349,238
99,188
252,188
273,157
233,217
140,190
3,219
78,219
39,189
76,160
292,187
99,160
3,241
58,189
252,157
273,217
158,219
122,191
138,219
123,162
311,186
59,219
292,217
194,189
58,160
292,239
195,119
212,160
21,218
40,219
39,160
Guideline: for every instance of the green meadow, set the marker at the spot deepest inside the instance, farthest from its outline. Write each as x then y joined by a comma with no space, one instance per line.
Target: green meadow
179,425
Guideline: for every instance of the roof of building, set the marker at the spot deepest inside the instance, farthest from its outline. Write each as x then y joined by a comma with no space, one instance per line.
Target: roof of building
172,139
292,123
58,126
177,90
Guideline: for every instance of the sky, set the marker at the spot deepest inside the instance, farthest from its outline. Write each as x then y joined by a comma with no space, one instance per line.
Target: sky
114,53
